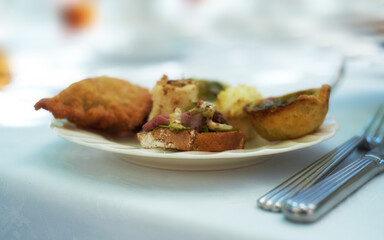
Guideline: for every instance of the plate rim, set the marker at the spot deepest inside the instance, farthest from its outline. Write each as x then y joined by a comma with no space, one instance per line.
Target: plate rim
57,125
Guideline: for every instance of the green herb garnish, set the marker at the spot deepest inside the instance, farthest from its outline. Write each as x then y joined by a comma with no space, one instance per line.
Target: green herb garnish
174,128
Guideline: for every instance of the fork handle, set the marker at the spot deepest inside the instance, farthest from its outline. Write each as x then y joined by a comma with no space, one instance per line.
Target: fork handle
312,203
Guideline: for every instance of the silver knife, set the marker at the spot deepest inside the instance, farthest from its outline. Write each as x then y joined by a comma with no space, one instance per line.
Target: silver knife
310,204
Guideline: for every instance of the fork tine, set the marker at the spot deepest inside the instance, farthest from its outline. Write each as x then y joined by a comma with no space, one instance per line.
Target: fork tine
311,203
378,135
272,201
371,124
373,131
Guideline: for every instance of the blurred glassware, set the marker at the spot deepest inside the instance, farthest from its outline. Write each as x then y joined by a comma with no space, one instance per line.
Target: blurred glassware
78,14
5,74
236,40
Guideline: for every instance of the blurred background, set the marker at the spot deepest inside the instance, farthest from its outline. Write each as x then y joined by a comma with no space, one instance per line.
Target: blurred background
277,45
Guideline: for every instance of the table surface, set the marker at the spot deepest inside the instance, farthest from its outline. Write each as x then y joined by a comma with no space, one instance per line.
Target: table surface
54,189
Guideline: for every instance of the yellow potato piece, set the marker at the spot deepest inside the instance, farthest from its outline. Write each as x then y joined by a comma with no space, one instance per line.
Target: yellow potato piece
231,102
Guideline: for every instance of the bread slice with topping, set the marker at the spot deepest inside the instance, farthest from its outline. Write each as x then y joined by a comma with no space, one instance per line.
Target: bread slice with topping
167,138
201,128
191,140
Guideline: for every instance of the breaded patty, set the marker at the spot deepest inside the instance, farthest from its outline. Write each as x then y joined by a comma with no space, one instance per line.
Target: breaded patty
108,104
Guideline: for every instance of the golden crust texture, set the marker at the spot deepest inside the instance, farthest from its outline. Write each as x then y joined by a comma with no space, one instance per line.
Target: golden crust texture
290,116
219,141
111,105
181,140
191,140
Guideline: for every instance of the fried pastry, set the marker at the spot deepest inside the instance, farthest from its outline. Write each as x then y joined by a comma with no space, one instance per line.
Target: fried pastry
111,105
290,116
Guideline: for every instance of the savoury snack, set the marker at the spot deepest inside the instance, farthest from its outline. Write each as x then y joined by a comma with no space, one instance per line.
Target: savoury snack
290,116
111,105
201,128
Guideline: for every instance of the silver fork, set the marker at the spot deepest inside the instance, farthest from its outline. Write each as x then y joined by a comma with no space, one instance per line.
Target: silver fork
311,204
273,200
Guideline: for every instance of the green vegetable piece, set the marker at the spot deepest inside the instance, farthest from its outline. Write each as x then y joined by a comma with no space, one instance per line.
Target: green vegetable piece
174,128
205,129
208,90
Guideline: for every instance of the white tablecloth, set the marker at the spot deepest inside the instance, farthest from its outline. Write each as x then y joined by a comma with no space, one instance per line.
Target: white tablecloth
54,189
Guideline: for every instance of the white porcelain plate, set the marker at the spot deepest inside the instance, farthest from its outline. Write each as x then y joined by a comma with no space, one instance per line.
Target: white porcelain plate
129,149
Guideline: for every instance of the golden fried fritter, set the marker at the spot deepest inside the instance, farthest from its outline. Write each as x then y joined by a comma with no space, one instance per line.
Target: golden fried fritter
111,105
